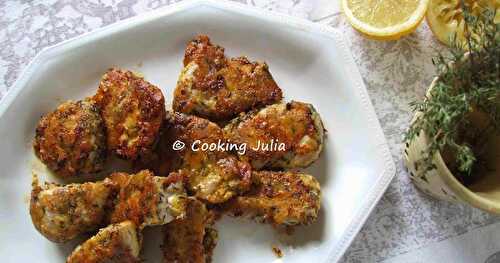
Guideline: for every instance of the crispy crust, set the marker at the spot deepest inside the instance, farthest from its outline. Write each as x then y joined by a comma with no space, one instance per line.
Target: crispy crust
117,243
295,124
218,180
133,110
146,199
214,176
71,139
190,240
217,88
280,198
187,129
61,213
201,48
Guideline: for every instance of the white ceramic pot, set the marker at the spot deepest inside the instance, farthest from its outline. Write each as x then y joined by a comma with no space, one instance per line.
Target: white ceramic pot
442,184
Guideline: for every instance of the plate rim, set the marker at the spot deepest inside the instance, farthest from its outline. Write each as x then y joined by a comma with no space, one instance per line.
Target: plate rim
389,171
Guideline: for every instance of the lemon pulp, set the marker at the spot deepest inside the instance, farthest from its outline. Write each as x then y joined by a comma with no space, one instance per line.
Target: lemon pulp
383,13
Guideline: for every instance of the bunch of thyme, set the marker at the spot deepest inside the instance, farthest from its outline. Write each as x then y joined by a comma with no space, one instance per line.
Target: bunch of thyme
468,81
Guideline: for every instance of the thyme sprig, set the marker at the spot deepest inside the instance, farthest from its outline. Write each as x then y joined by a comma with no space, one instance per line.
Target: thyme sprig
468,82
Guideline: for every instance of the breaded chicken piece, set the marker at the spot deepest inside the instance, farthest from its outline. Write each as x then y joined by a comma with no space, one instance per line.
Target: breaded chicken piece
218,180
186,129
217,88
295,125
133,110
148,200
190,240
280,198
61,213
117,243
214,176
72,139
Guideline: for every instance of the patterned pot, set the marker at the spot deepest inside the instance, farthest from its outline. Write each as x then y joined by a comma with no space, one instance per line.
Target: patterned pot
442,184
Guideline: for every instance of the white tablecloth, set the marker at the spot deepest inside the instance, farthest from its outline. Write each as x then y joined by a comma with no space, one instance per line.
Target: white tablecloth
406,226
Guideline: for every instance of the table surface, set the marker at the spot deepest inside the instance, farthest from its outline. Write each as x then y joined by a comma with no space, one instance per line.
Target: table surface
406,226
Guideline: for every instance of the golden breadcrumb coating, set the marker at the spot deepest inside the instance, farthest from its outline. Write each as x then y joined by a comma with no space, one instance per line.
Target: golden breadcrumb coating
187,129
117,243
295,125
191,239
133,110
148,200
72,140
218,180
214,176
217,88
61,213
280,198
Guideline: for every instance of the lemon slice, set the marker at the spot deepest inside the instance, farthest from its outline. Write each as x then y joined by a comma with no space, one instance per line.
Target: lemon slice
385,19
445,17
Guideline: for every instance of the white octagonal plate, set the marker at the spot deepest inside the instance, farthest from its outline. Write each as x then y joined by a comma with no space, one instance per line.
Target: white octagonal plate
310,62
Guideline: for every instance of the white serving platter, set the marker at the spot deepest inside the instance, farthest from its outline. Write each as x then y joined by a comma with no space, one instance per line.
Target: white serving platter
310,62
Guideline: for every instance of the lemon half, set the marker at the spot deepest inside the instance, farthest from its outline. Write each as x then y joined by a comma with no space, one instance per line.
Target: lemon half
445,17
385,19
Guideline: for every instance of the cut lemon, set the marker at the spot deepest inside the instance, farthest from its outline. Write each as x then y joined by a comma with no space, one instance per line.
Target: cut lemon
385,19
445,17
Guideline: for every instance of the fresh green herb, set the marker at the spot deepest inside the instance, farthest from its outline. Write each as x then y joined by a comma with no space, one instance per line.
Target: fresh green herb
468,83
